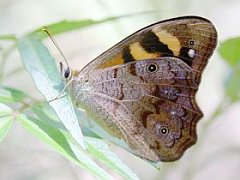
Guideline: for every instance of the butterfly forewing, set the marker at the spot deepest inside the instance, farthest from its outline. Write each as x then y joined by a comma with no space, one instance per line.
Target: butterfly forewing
192,39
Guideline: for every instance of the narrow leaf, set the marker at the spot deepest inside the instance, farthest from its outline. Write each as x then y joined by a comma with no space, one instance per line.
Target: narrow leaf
11,95
232,85
45,113
8,37
100,149
5,110
64,26
58,141
43,70
6,120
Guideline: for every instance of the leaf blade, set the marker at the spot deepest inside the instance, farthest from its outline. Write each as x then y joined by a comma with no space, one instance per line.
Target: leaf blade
43,70
60,143
230,51
6,120
66,25
11,95
100,149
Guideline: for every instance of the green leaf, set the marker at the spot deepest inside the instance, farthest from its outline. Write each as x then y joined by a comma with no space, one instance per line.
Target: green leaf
6,120
232,85
8,37
5,125
59,142
43,70
5,110
230,51
11,95
44,112
64,26
100,149
46,133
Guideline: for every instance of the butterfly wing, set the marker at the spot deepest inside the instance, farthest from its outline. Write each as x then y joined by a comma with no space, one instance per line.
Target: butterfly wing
190,38
143,89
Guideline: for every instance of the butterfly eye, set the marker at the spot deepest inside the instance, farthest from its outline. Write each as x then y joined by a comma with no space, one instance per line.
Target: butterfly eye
67,73
152,68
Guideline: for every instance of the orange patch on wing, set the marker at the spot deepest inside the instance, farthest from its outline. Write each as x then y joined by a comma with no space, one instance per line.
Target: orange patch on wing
139,53
116,60
170,40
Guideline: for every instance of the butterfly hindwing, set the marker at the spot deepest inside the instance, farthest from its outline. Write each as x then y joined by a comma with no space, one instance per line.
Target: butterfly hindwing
136,100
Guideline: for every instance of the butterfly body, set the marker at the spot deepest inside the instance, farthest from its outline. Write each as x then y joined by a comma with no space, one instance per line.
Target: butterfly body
143,89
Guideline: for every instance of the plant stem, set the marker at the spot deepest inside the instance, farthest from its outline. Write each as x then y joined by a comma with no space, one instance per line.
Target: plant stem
8,37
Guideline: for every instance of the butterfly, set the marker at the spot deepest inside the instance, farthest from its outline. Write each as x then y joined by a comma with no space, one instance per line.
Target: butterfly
142,90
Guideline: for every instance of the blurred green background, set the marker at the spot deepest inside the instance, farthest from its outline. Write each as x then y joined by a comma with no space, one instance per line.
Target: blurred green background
215,156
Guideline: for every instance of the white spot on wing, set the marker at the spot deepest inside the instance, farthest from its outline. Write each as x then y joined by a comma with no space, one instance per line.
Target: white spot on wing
173,112
191,53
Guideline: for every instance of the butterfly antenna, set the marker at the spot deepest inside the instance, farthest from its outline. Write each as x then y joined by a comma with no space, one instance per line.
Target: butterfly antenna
61,95
45,29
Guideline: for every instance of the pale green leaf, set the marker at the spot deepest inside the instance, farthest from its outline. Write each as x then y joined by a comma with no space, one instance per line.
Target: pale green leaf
6,120
44,112
232,85
5,110
46,76
67,25
11,95
100,149
8,37
59,142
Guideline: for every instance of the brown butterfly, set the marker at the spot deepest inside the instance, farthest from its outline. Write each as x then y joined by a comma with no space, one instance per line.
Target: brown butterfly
142,90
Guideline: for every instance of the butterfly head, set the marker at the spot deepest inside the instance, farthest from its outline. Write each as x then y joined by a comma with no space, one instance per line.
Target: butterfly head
72,83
